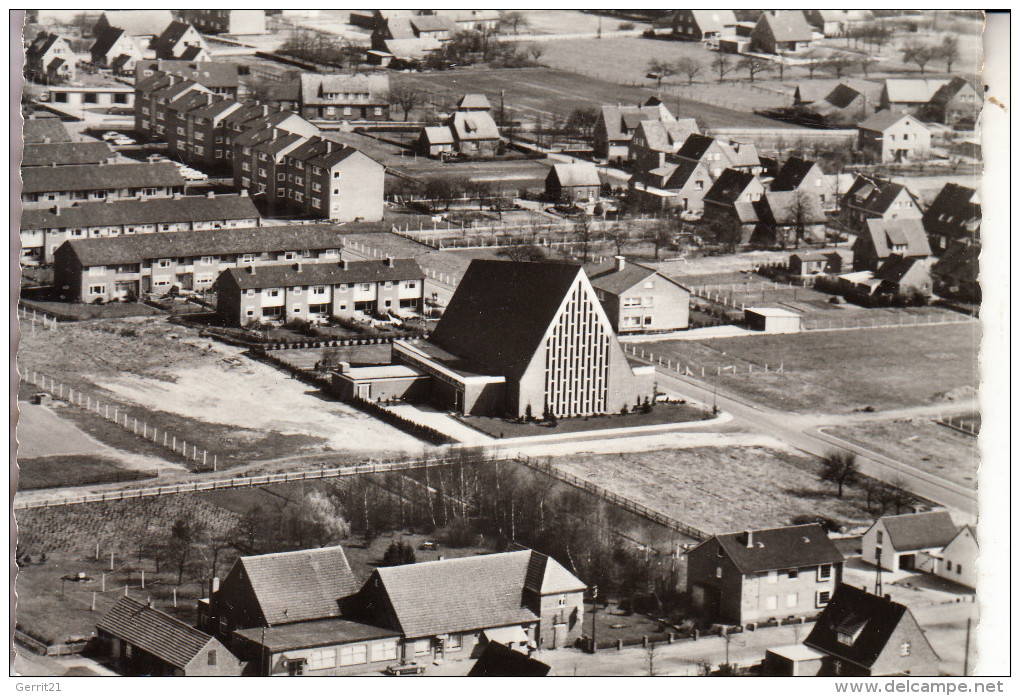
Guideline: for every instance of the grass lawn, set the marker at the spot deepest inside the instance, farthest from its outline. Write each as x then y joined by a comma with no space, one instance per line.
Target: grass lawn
921,443
79,470
841,371
76,311
662,413
721,489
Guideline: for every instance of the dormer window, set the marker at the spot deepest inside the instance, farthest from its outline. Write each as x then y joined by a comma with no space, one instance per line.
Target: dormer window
849,630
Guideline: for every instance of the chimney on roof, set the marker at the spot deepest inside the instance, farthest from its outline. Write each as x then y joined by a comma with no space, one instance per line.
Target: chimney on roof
297,266
210,194
620,263
208,98
177,195
344,264
56,210
244,193
275,132
215,585
388,261
251,270
343,367
265,109
750,539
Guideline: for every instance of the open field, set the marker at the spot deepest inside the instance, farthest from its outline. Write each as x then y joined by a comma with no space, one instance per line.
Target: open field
841,371
79,470
166,376
921,443
75,310
570,22
547,91
721,489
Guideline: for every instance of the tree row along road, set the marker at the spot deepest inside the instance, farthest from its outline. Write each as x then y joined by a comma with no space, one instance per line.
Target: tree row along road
787,428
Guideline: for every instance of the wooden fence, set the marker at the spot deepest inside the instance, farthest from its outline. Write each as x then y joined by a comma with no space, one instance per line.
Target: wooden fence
625,503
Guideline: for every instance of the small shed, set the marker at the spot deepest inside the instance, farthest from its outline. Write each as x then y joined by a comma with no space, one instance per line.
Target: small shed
574,181
380,382
772,320
797,660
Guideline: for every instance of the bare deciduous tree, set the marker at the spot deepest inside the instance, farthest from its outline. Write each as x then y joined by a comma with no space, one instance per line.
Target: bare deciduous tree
406,97
689,67
839,468
721,65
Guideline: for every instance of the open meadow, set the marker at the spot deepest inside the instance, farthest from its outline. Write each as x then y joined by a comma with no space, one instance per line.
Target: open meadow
921,443
840,371
719,490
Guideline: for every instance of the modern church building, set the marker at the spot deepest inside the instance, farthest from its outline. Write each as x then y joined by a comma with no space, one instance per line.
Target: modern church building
515,335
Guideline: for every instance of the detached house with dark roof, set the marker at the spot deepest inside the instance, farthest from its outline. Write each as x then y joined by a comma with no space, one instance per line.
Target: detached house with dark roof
953,103
954,216
869,198
733,196
754,576
655,141
49,58
180,41
678,184
806,176
142,641
718,155
890,136
469,131
699,25
574,182
863,635
616,126
639,298
114,48
955,274
909,95
451,609
781,31
319,291
880,240
904,541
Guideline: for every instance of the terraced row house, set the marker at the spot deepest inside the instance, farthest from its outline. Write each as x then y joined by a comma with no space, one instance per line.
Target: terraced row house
45,229
117,268
318,291
278,156
45,187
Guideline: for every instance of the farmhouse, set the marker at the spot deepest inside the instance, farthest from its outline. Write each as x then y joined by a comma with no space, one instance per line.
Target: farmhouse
843,106
49,59
909,95
954,216
469,131
333,97
639,298
115,268
906,541
956,102
44,187
228,21
451,609
880,239
318,291
318,648
45,229
519,337
889,136
870,197
573,181
60,154
765,574
864,635
785,31
616,125
143,641
789,215
179,41
699,25
807,177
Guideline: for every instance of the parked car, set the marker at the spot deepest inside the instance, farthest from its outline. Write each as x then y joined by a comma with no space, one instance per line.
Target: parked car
406,668
111,135
124,140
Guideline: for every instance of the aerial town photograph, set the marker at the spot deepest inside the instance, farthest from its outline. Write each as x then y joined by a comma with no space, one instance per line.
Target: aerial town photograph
502,342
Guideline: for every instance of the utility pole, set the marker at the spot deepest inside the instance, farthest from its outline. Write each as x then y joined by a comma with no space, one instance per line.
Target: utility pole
595,609
966,651
878,571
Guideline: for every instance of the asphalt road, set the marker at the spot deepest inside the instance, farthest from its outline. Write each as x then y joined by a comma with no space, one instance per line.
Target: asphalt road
789,428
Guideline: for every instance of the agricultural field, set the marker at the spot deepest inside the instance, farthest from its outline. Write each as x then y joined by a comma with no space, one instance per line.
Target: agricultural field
840,371
719,490
551,92
79,470
921,443
167,376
